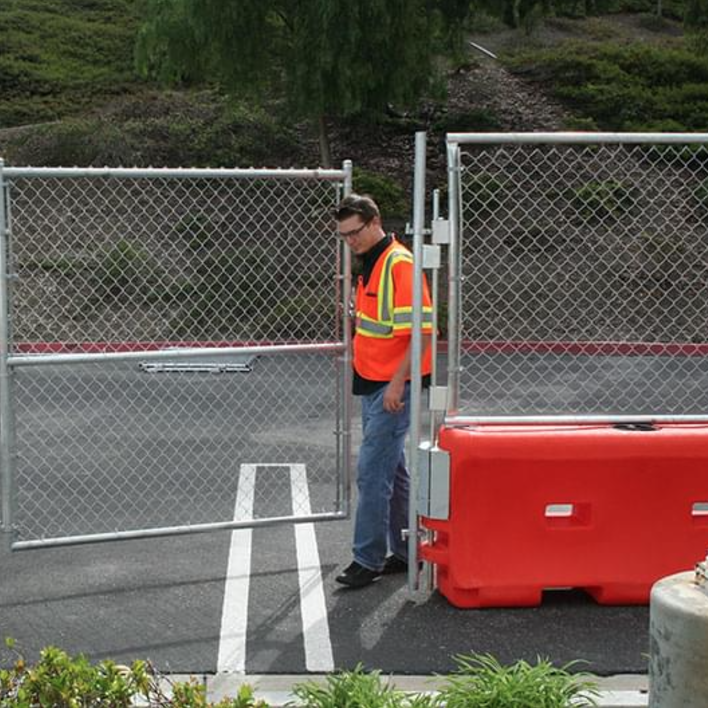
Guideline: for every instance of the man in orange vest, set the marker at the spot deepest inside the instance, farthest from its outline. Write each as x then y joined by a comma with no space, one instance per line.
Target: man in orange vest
381,360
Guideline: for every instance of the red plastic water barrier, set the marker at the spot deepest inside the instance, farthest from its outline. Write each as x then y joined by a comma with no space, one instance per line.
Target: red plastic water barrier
608,509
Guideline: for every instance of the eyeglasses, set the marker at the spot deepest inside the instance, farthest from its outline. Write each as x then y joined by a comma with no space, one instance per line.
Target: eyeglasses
353,232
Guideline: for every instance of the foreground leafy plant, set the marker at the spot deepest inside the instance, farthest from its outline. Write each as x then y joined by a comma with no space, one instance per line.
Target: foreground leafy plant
480,681
357,689
61,681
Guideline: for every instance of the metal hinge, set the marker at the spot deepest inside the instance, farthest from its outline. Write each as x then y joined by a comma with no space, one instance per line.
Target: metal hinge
434,487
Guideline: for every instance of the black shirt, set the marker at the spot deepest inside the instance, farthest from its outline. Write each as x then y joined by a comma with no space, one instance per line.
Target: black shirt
360,385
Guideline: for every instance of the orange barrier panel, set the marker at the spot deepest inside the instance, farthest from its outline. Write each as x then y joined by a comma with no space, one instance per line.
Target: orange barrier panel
609,509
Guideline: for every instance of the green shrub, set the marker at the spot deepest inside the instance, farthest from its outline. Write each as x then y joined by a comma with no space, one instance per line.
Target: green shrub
671,9
62,56
124,272
74,142
241,289
621,86
478,120
482,682
62,681
479,681
598,201
357,689
701,194
170,129
300,317
387,193
62,265
587,125
482,195
198,231
59,680
484,22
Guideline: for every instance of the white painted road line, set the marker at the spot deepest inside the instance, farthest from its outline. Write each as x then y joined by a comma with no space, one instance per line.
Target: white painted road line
234,615
315,624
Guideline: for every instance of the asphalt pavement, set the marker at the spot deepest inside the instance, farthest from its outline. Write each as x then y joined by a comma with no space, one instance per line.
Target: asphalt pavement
164,599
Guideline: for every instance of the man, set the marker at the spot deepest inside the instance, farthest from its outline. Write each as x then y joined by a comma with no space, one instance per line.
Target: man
381,360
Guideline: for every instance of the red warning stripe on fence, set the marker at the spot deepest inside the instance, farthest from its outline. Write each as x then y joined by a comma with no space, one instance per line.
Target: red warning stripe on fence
586,348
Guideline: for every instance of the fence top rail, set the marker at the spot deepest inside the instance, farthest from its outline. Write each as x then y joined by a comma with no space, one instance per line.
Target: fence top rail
176,354
174,173
575,138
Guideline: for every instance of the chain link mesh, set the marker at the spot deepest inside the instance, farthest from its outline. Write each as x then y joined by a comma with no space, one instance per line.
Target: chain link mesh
110,447
584,279
140,264
173,260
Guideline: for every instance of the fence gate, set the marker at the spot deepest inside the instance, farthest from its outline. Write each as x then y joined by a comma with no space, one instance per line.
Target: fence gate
173,351
577,282
580,275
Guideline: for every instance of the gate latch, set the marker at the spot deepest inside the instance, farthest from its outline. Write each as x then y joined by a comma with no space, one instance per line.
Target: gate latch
431,256
434,487
441,231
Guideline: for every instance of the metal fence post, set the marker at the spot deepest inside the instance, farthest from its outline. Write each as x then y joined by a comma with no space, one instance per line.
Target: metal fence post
347,357
434,297
454,278
6,414
416,355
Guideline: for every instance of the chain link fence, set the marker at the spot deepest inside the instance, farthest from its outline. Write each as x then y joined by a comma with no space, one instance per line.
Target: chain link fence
156,260
234,280
584,277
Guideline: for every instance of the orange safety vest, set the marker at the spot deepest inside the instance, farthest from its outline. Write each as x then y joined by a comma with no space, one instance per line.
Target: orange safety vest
384,315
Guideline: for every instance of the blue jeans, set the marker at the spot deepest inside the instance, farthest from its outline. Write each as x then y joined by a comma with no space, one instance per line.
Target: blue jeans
383,483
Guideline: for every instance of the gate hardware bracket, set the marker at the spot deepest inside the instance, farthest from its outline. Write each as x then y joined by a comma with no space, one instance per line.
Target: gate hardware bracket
434,486
408,231
405,534
441,231
431,256
437,398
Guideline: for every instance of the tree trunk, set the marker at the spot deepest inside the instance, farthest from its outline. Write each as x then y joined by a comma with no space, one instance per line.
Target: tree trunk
659,9
323,137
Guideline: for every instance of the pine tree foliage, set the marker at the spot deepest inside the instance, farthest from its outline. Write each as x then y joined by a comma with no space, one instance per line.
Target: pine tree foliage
696,25
696,17
326,57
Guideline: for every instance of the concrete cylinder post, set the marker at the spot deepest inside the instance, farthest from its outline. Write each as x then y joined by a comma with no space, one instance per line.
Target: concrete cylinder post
678,639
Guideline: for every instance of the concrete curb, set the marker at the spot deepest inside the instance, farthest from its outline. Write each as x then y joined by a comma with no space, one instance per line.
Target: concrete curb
620,691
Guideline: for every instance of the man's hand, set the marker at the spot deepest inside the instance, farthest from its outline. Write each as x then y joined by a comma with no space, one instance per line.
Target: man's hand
393,396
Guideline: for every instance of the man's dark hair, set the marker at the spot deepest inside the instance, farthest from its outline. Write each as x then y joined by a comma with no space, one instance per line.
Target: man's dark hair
361,204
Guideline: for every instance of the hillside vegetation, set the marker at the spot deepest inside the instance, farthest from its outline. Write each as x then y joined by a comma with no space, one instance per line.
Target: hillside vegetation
61,57
77,100
70,94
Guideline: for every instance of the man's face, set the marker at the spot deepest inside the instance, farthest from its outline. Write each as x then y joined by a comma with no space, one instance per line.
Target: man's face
359,234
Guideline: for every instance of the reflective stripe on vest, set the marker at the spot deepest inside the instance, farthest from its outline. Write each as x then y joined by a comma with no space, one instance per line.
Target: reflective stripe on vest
387,321
384,317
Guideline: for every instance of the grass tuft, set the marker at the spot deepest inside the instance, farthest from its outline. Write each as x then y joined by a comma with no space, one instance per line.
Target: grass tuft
481,681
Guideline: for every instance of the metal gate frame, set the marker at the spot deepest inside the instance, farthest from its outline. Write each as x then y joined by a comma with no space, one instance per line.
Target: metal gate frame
444,400
10,362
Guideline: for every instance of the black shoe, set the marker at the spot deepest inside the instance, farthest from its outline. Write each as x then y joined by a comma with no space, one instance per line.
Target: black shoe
394,565
356,576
